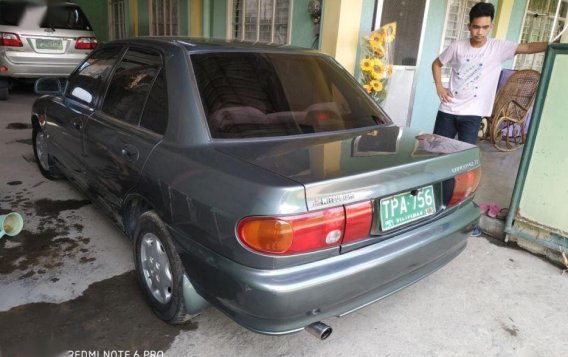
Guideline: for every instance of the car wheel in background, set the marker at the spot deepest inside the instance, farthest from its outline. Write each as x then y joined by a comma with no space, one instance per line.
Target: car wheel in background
4,89
43,159
159,268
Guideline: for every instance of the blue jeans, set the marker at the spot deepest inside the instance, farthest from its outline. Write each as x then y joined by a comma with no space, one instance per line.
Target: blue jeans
466,126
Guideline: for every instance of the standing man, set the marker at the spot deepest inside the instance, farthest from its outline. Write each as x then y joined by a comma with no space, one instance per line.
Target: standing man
476,65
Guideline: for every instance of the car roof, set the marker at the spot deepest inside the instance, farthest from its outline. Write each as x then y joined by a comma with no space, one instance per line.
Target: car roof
194,44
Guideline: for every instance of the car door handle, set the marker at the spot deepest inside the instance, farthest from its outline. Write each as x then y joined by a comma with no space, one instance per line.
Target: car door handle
130,153
78,124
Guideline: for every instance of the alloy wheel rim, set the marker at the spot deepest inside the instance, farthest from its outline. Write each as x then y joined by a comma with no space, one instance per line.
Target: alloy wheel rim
156,268
41,150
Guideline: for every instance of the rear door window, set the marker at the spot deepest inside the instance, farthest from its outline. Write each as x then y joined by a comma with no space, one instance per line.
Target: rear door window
87,79
251,94
155,117
130,85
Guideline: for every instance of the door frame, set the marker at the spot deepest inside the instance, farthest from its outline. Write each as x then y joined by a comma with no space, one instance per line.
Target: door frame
377,23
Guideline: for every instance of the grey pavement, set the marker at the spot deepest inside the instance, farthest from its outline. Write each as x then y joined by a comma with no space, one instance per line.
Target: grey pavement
66,283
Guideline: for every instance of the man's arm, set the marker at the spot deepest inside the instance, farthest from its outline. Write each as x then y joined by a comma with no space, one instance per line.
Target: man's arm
532,47
443,93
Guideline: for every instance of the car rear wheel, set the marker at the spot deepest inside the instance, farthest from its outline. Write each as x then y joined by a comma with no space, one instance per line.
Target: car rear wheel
159,269
43,159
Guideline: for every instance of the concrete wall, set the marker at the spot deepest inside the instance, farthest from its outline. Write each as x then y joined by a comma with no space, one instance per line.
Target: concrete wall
341,31
303,34
426,101
219,19
366,25
543,199
97,13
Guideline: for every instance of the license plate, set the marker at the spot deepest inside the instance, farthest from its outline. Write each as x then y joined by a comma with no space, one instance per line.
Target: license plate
42,44
405,207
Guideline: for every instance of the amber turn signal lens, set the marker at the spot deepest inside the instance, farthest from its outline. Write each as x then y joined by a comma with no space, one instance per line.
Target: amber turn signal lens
267,235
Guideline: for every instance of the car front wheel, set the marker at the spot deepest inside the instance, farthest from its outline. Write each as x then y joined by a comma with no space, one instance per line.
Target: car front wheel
43,159
159,269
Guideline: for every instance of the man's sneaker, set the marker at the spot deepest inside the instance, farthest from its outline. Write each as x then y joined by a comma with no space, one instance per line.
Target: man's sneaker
475,233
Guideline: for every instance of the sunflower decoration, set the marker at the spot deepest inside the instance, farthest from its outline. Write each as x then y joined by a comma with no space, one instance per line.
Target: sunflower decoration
376,63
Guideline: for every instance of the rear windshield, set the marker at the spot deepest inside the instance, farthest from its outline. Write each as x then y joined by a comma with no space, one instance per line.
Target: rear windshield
67,17
267,94
11,12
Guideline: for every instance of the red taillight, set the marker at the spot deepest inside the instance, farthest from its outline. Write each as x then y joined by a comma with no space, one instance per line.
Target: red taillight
293,234
306,232
10,39
86,43
465,185
359,217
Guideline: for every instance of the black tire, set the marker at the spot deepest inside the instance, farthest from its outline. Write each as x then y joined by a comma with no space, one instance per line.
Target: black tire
151,233
45,164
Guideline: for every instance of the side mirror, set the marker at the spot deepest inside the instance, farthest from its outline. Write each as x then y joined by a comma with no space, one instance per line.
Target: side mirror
50,86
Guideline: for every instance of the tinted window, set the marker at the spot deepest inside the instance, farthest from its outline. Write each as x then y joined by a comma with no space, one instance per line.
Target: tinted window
85,81
11,12
65,17
155,115
257,95
131,84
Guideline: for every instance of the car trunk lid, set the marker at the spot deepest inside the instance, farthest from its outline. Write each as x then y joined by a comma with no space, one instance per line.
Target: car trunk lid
371,165
359,166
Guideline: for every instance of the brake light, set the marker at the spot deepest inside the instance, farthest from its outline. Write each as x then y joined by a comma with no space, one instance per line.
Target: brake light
10,39
465,185
284,235
358,218
86,43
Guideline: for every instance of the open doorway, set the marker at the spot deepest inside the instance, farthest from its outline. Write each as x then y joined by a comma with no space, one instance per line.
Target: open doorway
409,17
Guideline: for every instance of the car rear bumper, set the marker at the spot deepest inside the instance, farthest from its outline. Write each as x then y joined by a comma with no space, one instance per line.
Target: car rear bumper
286,300
39,69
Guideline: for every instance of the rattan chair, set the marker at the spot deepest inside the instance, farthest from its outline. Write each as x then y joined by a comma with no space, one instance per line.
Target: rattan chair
506,126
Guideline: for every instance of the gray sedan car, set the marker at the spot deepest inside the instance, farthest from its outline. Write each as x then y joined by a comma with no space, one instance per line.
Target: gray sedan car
261,180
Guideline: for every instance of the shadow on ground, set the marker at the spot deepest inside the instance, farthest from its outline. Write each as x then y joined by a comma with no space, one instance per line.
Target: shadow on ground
111,315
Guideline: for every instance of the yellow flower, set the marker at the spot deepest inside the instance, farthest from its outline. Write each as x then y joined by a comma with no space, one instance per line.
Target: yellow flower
376,40
366,65
378,66
377,75
376,85
367,88
379,50
390,31
389,70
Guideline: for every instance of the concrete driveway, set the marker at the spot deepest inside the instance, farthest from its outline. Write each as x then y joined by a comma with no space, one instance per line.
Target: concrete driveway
66,284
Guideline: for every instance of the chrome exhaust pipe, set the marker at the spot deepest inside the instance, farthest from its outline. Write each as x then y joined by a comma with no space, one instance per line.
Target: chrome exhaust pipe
319,330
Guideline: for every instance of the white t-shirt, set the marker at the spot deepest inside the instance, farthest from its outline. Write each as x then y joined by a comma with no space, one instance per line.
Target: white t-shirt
475,74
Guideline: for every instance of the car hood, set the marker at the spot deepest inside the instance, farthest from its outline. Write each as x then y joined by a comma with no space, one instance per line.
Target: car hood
356,166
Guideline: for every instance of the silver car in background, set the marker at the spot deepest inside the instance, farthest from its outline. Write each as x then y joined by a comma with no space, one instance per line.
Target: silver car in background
40,40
